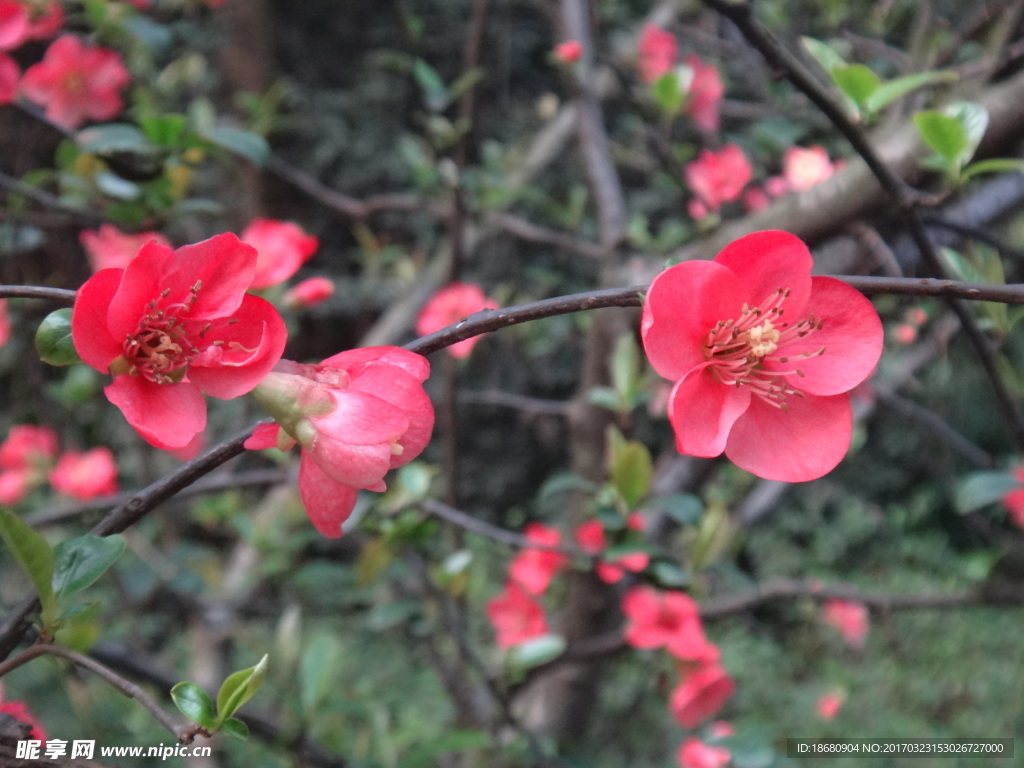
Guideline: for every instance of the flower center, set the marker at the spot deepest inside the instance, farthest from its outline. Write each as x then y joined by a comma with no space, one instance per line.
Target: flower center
160,349
738,349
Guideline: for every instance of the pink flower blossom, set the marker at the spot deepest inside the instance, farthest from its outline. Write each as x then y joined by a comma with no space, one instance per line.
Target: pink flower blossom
25,456
828,705
282,247
356,415
1014,501
450,305
569,51
694,753
591,539
756,199
669,620
718,177
110,248
85,475
776,186
5,323
10,74
19,711
533,569
516,617
14,24
803,167
701,695
904,333
46,20
309,293
769,389
173,325
656,53
703,94
850,618
77,82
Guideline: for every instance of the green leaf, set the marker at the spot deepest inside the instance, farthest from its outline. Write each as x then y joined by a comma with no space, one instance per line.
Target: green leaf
942,133
113,137
249,145
684,508
563,482
632,472
625,366
993,165
974,119
80,561
856,81
235,728
53,339
668,94
537,650
34,557
435,94
826,56
960,266
239,687
983,488
316,671
891,90
165,130
194,703
669,575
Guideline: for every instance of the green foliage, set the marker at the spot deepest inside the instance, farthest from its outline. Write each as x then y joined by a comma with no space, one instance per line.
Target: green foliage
79,562
35,558
237,688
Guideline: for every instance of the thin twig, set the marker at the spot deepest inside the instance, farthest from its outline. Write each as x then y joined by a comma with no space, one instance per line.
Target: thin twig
493,532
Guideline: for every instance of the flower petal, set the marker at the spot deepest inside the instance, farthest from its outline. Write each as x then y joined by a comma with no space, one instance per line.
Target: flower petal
683,303
222,265
95,344
415,364
703,410
803,442
403,390
140,284
264,436
360,418
767,261
328,503
166,415
851,334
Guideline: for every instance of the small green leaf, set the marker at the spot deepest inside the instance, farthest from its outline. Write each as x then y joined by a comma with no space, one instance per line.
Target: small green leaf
249,145
165,130
563,482
993,165
632,472
684,508
239,687
826,56
668,94
669,575
113,137
942,133
235,728
537,650
194,703
983,488
625,366
891,90
80,561
435,94
960,266
34,557
974,119
317,666
53,339
856,81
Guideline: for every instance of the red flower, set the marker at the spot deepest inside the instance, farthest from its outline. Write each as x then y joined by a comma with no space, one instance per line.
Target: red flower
5,323
173,325
1014,501
282,247
85,475
591,539
25,456
309,293
516,617
46,21
850,618
828,705
533,569
10,74
450,305
569,51
14,24
108,247
656,52
703,94
767,388
77,82
19,711
701,695
356,415
694,753
718,177
667,619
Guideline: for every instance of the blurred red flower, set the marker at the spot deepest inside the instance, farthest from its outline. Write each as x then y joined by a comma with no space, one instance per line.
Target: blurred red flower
85,475
569,51
850,618
669,620
718,177
516,617
700,695
450,305
25,456
657,52
533,569
694,753
703,94
282,247
309,293
110,248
